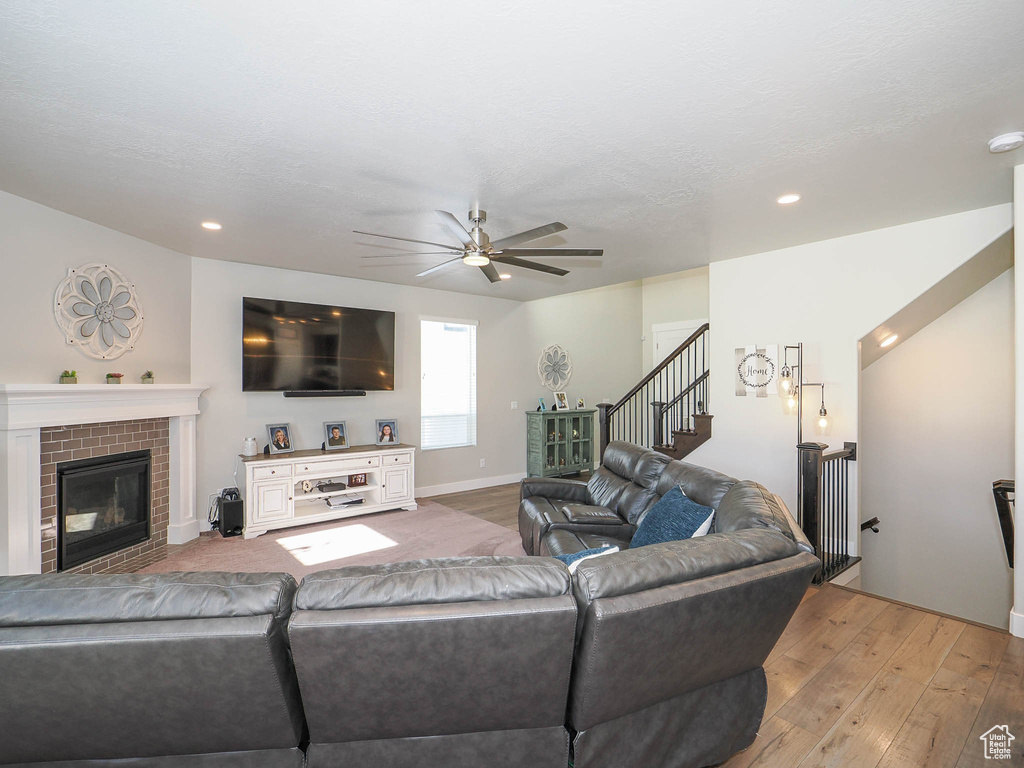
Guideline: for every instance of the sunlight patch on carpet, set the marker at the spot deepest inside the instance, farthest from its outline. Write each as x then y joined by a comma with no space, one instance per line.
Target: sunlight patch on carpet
335,544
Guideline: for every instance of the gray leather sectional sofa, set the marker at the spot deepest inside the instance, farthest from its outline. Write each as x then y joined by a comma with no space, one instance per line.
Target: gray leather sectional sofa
672,638
648,657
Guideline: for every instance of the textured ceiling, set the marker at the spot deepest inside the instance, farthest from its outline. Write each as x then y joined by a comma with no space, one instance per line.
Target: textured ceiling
660,131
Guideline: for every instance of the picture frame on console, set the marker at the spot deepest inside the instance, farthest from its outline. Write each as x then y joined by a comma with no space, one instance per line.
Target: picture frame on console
562,401
335,436
387,432
580,403
280,438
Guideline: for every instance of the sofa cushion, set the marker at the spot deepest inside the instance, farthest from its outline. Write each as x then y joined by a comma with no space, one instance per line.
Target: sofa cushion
649,469
673,518
634,501
605,487
622,458
703,485
51,599
749,505
560,541
418,582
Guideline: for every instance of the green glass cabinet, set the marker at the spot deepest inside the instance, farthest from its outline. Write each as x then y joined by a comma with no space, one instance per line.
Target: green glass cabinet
559,442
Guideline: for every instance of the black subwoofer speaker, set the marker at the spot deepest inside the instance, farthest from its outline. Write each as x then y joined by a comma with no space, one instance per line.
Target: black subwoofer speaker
231,516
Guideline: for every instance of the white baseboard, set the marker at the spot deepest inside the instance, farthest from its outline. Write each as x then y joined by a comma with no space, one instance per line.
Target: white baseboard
1016,624
179,534
469,485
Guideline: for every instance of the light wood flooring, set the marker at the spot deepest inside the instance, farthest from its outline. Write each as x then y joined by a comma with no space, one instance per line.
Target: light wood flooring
857,681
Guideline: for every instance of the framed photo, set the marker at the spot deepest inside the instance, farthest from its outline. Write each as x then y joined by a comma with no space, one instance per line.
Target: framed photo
387,431
335,436
562,401
280,437
580,404
354,481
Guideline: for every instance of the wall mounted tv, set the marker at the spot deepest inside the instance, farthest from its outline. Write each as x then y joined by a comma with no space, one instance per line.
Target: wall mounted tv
293,347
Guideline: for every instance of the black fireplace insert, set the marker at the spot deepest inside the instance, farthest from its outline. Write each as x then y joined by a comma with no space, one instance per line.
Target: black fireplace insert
103,505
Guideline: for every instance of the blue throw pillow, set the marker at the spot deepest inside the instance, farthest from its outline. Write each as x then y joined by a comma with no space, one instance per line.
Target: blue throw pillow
673,518
574,556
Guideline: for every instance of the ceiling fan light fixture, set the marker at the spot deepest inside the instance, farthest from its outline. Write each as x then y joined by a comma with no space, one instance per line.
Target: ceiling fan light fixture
476,260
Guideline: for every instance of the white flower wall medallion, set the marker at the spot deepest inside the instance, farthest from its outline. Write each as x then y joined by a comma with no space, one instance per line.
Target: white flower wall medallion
554,368
98,310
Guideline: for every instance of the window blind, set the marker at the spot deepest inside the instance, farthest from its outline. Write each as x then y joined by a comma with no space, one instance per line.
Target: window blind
448,384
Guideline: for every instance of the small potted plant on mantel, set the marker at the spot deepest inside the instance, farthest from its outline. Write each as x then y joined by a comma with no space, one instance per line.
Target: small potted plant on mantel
114,378
69,377
148,378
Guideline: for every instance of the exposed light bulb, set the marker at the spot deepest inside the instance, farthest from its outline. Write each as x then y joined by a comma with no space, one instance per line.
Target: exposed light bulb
823,426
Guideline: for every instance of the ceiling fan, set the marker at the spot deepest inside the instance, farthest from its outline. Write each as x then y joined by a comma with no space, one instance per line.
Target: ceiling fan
477,249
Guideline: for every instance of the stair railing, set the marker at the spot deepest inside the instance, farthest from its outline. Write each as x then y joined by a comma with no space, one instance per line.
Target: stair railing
665,400
1005,495
823,504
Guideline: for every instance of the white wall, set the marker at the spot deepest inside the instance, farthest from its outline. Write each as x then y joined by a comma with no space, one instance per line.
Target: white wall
1017,617
37,247
828,295
936,430
672,298
599,329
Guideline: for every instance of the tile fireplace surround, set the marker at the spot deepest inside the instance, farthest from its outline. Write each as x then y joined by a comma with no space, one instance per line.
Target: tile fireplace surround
27,410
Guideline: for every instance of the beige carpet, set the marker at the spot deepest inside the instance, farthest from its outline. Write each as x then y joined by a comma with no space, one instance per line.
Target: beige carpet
432,530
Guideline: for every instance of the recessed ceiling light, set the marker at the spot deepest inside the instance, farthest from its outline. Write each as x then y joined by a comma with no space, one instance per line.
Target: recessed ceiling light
889,341
211,225
788,199
1006,143
504,275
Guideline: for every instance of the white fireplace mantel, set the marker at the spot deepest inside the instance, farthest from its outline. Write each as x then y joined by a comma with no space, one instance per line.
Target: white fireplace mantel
25,408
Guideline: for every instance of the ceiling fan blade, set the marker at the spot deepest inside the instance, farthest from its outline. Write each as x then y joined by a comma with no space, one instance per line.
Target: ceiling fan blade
491,272
530,234
551,252
408,239
442,265
529,265
456,228
411,253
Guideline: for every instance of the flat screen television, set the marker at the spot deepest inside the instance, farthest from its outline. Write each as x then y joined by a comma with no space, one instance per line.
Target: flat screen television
293,346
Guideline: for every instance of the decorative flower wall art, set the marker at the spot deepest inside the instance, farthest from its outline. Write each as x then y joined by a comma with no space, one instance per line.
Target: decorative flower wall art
98,311
554,368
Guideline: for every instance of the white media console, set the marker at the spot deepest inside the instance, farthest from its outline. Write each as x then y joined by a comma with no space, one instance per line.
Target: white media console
276,494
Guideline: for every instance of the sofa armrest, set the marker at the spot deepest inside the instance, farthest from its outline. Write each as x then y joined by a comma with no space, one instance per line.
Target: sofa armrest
554,488
591,515
795,529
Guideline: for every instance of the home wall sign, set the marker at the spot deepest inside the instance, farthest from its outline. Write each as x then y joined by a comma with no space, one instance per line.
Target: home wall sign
98,310
554,368
757,369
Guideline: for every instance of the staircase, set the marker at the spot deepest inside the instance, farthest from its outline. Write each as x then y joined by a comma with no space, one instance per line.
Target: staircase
669,402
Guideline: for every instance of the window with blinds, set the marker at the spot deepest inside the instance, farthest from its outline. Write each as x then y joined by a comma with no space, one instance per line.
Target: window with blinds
448,384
